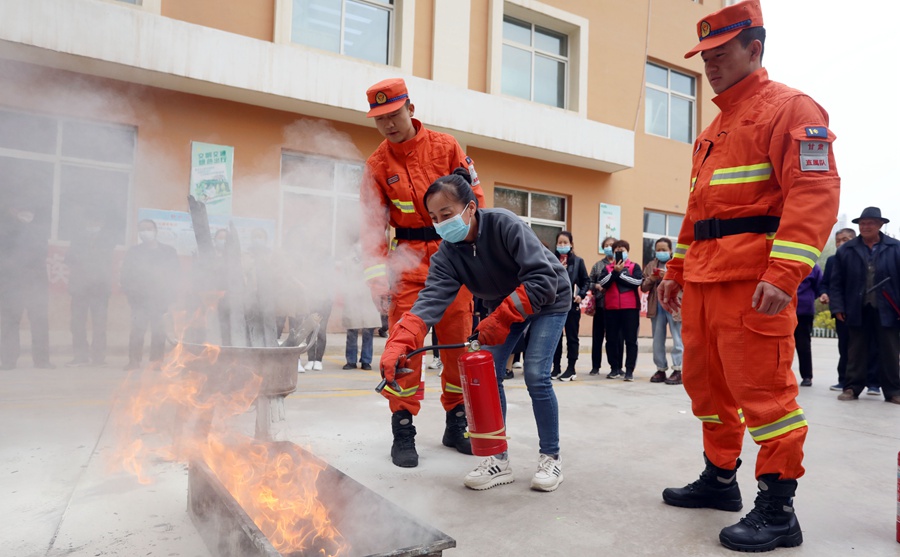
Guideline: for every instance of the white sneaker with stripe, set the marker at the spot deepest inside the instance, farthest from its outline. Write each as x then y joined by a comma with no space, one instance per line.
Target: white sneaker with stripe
492,471
549,474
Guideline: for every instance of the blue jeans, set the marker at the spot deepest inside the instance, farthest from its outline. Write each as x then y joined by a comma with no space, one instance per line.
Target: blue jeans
663,318
350,351
544,331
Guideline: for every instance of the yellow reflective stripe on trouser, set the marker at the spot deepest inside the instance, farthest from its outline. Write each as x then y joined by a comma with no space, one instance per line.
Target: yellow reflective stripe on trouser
681,250
741,414
375,271
714,419
742,174
693,183
410,391
451,388
404,206
803,253
790,422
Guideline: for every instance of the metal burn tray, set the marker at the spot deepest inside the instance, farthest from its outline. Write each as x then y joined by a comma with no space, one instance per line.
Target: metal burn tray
370,524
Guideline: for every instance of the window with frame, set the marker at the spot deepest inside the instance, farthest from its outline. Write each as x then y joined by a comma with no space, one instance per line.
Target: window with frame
670,109
68,171
357,28
659,225
544,213
535,62
322,193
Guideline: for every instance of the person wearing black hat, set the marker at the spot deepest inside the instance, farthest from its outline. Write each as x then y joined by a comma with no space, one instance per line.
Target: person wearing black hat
865,295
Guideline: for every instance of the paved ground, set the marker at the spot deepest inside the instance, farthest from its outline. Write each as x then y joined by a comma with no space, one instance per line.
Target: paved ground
622,444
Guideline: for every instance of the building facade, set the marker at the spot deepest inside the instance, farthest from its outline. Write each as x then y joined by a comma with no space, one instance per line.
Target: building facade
579,114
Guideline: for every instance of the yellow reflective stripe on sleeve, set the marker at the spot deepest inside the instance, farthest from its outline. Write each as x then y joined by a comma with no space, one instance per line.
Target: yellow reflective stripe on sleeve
693,183
741,414
770,235
714,419
681,250
451,388
394,244
375,271
404,206
790,422
404,393
793,251
742,174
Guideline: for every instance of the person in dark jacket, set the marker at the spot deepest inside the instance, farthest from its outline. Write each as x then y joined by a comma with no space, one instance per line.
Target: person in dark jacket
865,293
620,282
24,284
90,282
499,259
810,289
598,323
149,279
579,279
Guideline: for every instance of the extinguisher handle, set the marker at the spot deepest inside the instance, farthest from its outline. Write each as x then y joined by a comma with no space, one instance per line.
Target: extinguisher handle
404,370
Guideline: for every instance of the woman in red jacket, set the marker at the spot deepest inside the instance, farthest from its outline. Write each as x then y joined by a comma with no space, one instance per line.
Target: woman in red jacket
620,281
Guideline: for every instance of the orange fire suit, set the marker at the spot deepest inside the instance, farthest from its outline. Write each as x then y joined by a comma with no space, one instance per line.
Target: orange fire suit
768,153
397,177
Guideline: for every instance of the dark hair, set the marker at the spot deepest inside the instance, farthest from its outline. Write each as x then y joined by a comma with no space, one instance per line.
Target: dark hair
747,36
621,244
849,231
607,239
664,240
457,185
568,235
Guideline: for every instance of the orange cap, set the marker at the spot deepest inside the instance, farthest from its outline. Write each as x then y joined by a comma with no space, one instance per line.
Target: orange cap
720,27
386,96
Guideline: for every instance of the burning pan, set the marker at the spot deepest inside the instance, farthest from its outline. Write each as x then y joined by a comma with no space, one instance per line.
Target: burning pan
276,365
369,523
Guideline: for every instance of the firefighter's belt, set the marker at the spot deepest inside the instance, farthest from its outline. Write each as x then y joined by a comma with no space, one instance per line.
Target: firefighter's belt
709,229
423,234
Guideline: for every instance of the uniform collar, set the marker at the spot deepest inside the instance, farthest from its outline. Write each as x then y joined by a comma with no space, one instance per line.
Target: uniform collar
409,145
742,90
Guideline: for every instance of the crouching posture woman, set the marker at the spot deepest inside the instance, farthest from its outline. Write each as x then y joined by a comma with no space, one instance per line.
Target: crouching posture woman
499,259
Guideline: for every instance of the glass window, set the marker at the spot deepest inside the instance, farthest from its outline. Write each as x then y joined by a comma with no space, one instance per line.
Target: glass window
545,213
68,170
535,63
321,193
659,225
670,99
357,28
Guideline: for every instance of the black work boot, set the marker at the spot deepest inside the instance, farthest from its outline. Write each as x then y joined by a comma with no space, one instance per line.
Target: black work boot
403,451
455,430
772,522
716,488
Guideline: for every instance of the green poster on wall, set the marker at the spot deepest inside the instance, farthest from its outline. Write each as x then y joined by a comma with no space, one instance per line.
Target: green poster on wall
211,176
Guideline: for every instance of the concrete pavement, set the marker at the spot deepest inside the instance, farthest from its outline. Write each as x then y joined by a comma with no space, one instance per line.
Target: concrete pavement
622,443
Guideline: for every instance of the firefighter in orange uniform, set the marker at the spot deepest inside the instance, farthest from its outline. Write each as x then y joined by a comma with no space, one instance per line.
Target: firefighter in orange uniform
763,199
398,174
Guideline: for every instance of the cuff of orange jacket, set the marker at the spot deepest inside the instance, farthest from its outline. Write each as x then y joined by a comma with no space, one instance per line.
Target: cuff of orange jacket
674,274
785,278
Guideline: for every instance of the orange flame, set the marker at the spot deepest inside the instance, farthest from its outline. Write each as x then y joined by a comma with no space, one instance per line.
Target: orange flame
181,412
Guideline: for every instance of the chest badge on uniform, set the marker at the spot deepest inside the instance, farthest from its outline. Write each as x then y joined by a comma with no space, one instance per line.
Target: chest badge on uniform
393,179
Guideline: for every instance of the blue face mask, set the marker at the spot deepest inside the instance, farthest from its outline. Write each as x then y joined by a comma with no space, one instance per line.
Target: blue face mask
608,251
624,255
563,249
663,256
454,229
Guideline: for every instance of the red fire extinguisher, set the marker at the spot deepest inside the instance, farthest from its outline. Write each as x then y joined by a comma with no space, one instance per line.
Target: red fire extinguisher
482,398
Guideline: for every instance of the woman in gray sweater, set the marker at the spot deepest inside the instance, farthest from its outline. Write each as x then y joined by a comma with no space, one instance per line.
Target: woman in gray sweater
499,259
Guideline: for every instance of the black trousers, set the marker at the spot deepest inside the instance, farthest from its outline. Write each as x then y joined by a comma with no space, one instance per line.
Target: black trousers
93,302
873,365
621,336
317,350
144,316
573,323
34,300
598,330
803,340
888,339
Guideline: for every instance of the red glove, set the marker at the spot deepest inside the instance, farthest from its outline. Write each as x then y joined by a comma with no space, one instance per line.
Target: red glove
406,335
493,329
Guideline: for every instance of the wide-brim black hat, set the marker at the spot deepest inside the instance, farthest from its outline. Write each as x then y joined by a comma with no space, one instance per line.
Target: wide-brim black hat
870,213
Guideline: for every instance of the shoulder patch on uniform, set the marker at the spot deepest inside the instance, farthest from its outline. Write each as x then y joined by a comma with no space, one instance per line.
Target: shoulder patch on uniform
469,160
817,131
393,179
815,163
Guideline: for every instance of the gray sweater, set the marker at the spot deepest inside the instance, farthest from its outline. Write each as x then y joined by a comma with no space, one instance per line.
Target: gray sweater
505,254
